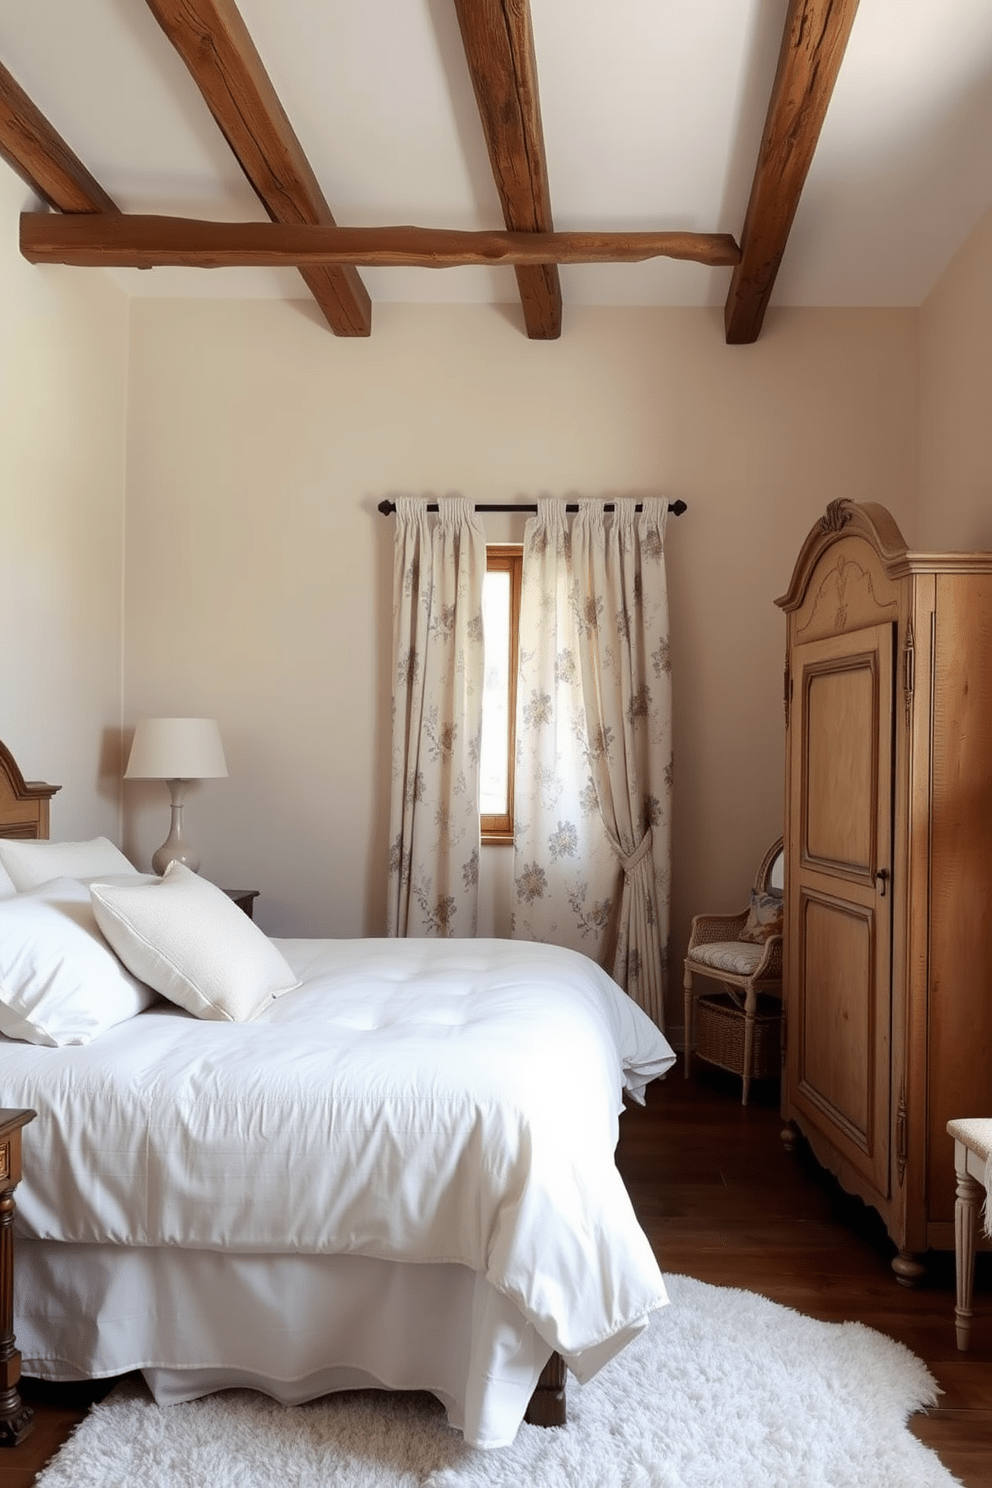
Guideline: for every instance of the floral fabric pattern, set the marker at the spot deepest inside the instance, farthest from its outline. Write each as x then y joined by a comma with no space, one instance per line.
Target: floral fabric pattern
438,663
594,750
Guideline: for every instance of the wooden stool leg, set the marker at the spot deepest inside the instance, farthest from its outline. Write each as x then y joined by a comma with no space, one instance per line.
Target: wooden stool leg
965,1206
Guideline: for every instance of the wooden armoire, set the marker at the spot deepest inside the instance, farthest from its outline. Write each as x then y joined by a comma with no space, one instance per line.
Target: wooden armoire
888,838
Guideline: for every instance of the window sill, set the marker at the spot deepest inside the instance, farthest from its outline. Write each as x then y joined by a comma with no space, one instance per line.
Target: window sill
497,839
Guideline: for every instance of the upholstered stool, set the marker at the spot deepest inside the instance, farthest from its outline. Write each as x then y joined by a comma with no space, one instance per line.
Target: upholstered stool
973,1165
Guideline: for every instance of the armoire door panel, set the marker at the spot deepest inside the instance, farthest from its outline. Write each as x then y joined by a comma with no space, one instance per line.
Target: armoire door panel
837,1015
840,798
838,904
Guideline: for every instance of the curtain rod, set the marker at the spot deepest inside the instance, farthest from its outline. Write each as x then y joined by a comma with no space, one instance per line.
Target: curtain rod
387,507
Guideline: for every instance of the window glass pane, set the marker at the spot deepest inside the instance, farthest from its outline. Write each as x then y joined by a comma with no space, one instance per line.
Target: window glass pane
493,786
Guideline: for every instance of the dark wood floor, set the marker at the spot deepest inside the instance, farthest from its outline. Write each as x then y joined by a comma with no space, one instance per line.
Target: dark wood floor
722,1201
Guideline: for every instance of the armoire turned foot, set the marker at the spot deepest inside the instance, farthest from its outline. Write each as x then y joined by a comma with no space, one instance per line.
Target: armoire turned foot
888,839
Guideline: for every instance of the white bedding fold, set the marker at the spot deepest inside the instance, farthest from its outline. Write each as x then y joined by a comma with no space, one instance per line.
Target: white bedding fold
412,1100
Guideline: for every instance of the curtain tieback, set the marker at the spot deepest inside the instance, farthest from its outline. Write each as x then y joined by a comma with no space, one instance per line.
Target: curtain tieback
628,862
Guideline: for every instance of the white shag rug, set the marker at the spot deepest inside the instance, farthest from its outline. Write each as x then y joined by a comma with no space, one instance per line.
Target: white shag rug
724,1390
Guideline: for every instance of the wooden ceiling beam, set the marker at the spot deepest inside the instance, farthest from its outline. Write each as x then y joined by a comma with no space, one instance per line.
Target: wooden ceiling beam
213,41
144,242
813,45
499,47
41,157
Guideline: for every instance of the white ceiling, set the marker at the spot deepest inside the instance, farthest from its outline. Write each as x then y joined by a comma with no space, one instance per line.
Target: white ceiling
652,112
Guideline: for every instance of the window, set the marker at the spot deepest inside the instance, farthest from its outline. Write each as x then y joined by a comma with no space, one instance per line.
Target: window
501,617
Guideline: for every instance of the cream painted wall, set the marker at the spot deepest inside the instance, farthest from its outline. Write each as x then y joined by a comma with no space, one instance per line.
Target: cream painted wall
956,401
63,405
258,570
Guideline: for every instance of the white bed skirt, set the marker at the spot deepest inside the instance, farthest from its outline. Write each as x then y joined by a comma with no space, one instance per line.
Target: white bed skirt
295,1327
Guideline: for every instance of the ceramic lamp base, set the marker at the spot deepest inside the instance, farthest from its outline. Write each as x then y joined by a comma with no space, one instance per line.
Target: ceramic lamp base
175,848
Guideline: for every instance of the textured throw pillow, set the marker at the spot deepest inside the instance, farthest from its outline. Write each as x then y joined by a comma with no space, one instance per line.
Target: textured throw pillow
31,863
60,983
764,918
184,937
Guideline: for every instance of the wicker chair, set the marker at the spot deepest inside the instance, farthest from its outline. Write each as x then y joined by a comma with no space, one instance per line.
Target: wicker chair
742,952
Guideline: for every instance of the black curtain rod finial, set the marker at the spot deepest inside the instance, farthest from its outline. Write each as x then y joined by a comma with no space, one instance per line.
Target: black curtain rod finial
387,507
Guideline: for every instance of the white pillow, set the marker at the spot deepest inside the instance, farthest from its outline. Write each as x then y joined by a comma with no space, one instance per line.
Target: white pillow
60,983
183,936
7,885
30,863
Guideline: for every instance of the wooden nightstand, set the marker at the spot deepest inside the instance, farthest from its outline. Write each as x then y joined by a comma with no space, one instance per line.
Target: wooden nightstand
244,899
15,1417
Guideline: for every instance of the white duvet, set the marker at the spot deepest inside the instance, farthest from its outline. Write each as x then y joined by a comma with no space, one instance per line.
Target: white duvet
413,1100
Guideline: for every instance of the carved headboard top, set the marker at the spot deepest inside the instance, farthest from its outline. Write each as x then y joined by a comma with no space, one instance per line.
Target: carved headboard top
23,803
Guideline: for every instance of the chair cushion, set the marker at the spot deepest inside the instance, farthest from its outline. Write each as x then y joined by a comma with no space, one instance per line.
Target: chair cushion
737,956
975,1132
764,918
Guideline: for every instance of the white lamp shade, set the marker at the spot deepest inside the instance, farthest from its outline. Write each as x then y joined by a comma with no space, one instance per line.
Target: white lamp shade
176,749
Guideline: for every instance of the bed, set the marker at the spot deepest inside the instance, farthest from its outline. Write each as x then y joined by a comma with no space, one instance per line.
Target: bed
392,1169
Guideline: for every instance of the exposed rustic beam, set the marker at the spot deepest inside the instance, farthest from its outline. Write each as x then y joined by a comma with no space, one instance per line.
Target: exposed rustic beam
143,242
215,45
499,48
41,157
813,45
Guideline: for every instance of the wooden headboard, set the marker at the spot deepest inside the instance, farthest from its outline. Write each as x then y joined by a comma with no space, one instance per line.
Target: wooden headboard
23,803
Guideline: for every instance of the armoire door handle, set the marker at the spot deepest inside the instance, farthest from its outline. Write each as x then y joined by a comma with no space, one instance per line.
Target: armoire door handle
881,878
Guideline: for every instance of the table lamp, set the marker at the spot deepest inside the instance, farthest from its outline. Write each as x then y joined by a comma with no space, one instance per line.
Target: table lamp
176,750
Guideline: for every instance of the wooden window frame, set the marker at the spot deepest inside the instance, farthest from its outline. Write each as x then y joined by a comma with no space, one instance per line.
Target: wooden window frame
507,558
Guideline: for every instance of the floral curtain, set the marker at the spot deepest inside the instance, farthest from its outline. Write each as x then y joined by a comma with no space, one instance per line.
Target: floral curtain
594,747
438,669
